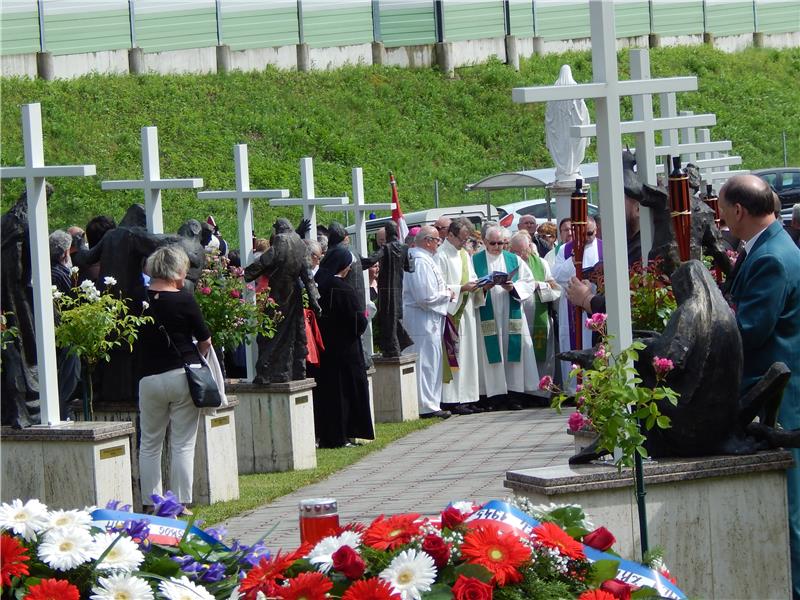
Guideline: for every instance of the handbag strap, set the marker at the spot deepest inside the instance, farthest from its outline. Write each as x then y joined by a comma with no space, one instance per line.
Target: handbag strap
163,330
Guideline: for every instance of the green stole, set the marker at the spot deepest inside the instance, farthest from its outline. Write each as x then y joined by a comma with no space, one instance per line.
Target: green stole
539,325
447,371
488,325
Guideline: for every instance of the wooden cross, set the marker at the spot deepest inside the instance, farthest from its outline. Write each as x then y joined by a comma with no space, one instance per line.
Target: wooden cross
359,208
34,173
244,212
152,184
606,90
309,201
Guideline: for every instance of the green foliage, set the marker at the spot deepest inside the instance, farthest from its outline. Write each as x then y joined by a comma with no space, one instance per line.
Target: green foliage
222,296
652,300
613,400
534,588
92,324
7,332
416,123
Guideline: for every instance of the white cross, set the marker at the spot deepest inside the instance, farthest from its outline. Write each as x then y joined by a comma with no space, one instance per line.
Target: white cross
34,173
606,90
359,208
244,212
152,184
309,201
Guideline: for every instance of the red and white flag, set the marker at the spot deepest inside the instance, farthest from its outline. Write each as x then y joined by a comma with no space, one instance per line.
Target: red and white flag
397,212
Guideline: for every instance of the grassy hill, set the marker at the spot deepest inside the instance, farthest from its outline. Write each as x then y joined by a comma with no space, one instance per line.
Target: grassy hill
416,123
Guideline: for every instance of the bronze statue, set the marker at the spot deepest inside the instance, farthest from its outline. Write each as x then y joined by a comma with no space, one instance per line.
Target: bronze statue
286,265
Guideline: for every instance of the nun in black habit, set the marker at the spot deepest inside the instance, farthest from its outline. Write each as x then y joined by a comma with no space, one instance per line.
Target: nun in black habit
341,398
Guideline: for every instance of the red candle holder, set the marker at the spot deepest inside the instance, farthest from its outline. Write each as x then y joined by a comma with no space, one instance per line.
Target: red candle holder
319,518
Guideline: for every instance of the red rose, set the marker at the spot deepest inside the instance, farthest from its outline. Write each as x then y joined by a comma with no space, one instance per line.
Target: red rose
619,589
600,539
437,548
469,588
348,563
452,517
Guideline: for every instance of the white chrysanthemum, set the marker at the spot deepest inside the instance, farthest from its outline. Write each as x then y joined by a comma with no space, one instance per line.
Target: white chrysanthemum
183,589
65,548
410,573
322,554
60,519
109,280
124,556
74,270
25,520
57,294
87,284
121,586
463,507
145,305
236,594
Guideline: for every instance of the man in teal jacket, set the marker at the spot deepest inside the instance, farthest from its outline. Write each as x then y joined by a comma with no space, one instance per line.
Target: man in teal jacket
765,294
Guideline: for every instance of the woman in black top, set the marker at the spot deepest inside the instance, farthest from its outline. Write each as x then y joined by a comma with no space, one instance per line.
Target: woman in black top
164,397
341,399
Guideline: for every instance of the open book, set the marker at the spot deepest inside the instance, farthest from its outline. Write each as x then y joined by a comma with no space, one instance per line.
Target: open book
496,277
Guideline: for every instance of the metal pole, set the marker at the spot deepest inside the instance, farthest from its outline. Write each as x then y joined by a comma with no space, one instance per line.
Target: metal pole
218,7
785,154
42,44
300,34
436,193
132,21
376,21
507,17
640,503
488,207
438,15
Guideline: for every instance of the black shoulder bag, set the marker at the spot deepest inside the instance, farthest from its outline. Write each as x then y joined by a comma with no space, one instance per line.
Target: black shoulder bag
202,385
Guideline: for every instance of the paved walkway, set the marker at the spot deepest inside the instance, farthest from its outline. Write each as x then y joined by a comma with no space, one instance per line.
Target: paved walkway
462,458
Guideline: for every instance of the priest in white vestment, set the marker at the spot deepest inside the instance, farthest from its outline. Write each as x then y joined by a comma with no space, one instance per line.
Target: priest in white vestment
563,271
537,306
425,303
460,389
505,350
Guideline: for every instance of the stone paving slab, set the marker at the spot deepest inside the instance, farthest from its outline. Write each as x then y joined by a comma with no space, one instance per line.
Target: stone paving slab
463,458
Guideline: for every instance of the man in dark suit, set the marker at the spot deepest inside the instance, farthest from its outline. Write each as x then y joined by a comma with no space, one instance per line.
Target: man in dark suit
765,294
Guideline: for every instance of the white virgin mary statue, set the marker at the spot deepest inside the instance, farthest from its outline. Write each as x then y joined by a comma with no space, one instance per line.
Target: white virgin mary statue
559,116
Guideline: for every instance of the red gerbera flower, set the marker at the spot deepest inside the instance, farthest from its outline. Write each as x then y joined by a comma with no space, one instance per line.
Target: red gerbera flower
261,578
306,586
12,559
596,595
388,534
356,526
371,589
552,536
53,589
501,553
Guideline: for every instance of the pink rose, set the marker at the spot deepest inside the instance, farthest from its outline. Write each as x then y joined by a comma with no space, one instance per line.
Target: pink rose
576,421
546,382
601,351
599,539
662,366
206,291
235,294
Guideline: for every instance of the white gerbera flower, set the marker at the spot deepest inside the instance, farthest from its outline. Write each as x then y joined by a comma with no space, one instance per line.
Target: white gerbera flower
60,519
120,586
25,520
109,280
322,554
124,556
65,548
183,589
410,573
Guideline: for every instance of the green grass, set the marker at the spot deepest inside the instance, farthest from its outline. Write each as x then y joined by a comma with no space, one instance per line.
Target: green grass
416,123
262,488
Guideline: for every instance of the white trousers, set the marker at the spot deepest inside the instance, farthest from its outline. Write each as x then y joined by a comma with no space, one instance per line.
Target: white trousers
164,400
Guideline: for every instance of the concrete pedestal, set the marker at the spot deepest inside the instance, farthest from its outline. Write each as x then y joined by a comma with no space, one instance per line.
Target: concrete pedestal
69,465
721,520
275,426
395,388
215,474
370,376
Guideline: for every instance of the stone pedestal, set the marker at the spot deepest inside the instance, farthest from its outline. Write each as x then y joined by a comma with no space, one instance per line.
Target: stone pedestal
721,520
69,465
395,388
275,426
215,474
370,376
583,439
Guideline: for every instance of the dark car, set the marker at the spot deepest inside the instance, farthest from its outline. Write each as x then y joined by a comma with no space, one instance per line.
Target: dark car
786,183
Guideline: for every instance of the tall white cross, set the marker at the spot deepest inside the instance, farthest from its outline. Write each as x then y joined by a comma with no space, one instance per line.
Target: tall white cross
244,212
606,90
34,173
152,184
309,201
359,208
